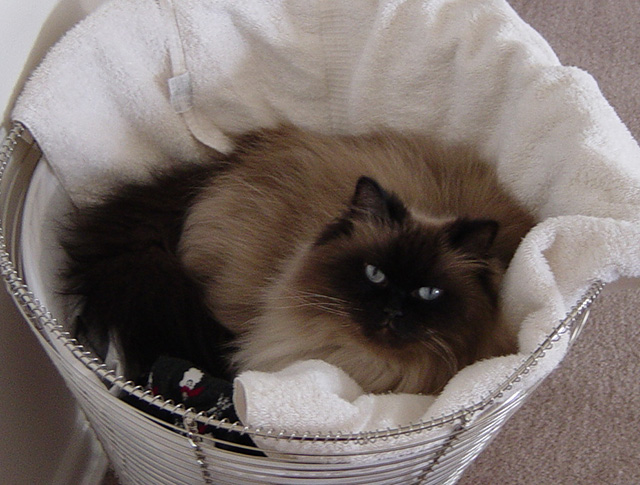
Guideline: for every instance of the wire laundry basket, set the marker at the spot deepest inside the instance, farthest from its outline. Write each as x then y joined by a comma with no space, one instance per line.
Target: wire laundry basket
146,449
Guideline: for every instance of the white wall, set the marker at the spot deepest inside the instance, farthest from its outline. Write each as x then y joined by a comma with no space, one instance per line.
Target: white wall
43,437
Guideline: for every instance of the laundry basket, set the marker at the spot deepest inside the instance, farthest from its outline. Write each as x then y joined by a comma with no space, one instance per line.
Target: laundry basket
53,144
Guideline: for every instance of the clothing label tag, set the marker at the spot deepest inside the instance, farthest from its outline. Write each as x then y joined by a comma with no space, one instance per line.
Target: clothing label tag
181,93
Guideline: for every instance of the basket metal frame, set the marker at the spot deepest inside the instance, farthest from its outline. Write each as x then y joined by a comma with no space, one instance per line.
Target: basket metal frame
473,426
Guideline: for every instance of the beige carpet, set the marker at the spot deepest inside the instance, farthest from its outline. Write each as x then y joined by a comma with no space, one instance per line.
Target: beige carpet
582,425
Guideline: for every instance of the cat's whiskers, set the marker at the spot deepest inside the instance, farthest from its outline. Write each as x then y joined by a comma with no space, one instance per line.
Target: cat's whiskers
334,308
294,301
333,311
306,294
323,306
312,298
320,296
440,347
327,304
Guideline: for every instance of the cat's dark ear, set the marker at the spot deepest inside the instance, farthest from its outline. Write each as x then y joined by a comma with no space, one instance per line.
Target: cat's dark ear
369,201
372,201
473,236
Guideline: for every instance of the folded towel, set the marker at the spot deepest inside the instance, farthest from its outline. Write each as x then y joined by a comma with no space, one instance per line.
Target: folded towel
327,402
325,398
147,84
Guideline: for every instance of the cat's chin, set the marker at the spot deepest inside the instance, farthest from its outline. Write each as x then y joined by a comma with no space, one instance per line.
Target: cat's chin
282,338
381,368
388,338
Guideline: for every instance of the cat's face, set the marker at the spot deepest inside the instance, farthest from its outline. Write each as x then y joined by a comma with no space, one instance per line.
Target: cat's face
396,282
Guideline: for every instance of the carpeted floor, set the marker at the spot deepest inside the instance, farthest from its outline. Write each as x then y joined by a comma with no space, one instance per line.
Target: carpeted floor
582,425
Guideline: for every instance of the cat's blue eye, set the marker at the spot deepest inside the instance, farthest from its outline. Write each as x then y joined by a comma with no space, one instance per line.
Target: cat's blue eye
374,274
428,293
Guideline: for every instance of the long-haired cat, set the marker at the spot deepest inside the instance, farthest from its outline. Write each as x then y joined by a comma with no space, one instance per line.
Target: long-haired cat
381,254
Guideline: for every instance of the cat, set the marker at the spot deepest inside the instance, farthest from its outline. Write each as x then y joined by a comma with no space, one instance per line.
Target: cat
379,253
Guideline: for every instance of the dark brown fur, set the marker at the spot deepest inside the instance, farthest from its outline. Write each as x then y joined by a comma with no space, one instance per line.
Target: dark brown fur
123,264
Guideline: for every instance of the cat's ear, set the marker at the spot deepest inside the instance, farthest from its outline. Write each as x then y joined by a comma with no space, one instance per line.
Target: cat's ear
473,236
372,201
369,201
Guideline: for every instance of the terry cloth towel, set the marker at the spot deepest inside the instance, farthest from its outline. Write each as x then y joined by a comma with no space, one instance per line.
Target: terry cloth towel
145,84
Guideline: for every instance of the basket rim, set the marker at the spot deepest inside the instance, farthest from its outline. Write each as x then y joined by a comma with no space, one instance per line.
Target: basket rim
46,324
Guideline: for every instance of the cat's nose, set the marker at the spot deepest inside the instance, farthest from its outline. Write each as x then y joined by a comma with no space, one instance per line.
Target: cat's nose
393,312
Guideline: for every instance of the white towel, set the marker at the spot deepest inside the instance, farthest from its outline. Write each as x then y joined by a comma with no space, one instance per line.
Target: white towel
327,400
314,398
142,84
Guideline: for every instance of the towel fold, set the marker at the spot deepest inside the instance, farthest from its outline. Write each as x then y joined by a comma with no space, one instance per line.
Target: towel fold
325,398
145,84
314,398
